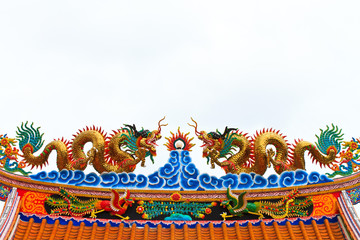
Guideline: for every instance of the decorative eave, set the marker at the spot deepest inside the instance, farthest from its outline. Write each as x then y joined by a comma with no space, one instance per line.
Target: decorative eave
33,227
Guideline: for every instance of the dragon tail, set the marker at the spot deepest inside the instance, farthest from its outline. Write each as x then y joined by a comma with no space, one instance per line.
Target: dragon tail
29,135
288,206
330,138
324,151
71,205
30,141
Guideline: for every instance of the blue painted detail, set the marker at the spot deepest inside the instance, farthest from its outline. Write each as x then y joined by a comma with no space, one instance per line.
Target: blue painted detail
41,176
126,180
90,179
109,179
172,183
65,176
301,177
185,158
178,217
287,179
189,184
190,171
273,181
259,182
246,181
53,175
142,181
205,181
315,178
155,181
230,180
179,173
79,176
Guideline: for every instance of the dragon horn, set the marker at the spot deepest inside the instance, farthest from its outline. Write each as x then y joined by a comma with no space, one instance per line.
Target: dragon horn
161,125
194,126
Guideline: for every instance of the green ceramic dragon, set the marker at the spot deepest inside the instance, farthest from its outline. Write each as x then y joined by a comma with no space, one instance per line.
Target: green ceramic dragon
288,206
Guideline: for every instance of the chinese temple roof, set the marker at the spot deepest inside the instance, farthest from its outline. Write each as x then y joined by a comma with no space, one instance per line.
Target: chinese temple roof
34,227
177,201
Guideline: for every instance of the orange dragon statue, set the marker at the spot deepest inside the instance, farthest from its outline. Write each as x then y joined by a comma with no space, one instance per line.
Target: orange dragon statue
120,152
244,154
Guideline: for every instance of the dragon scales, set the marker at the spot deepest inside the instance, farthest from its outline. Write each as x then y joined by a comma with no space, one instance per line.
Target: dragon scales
120,152
244,154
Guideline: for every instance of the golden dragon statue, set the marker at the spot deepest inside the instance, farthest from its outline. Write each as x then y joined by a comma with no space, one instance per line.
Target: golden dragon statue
244,154
120,152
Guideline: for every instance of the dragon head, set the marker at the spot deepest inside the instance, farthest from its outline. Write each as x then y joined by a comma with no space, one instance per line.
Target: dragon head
211,140
150,140
147,139
207,138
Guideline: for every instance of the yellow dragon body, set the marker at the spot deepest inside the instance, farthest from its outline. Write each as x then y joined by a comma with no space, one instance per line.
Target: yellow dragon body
120,152
243,154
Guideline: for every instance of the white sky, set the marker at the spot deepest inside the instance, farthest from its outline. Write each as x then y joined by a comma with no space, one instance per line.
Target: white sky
290,65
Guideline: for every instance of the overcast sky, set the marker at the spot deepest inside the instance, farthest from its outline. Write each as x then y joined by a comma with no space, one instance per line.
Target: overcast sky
290,65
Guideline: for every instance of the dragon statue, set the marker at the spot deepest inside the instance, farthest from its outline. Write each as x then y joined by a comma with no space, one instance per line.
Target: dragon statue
288,206
244,154
68,204
9,156
120,152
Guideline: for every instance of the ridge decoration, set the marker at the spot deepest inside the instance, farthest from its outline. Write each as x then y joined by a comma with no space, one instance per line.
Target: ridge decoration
178,210
179,141
9,156
33,202
69,204
245,154
120,152
181,173
349,160
288,206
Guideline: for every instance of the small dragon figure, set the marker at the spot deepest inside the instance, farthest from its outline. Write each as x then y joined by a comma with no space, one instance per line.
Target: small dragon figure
120,152
9,156
244,154
349,160
71,205
4,192
288,206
